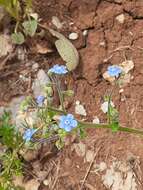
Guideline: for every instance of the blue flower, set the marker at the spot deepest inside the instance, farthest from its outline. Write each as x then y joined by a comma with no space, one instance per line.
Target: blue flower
114,70
68,122
28,134
40,100
58,69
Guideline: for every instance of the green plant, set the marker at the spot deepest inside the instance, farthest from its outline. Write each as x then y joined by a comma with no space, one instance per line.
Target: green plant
12,142
25,24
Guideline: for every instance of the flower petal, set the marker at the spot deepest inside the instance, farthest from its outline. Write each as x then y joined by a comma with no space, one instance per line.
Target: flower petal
70,116
74,123
68,128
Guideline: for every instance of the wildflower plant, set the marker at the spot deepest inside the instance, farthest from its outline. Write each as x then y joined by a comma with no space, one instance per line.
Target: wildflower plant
53,125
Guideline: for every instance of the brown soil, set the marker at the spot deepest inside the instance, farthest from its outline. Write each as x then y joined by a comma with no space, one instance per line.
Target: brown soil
105,34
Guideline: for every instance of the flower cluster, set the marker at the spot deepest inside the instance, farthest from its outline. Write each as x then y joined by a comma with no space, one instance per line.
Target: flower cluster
28,134
58,69
114,70
68,122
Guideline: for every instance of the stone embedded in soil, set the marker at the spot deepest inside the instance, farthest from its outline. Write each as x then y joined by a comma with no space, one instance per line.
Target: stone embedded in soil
120,18
85,32
73,36
56,22
39,83
96,120
79,109
127,66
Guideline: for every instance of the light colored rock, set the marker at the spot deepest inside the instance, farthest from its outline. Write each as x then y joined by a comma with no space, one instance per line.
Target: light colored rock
79,109
120,18
39,83
104,106
127,66
46,182
85,32
56,22
102,44
121,90
96,120
73,36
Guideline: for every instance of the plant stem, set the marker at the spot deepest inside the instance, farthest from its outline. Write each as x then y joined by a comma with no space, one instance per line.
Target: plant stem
59,92
108,126
102,125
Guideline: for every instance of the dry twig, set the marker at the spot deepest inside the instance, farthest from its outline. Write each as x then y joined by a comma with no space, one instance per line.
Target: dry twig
90,166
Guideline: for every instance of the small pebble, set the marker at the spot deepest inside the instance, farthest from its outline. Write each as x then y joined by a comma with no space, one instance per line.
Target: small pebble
102,44
96,120
46,182
73,36
120,18
79,109
121,90
85,32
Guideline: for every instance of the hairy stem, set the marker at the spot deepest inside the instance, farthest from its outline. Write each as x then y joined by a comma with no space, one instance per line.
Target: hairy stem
102,125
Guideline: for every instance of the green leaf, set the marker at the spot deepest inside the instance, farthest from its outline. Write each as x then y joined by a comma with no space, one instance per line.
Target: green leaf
17,38
30,27
66,50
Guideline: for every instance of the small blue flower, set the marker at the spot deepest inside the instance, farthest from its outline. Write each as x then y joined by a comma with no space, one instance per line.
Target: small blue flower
58,69
28,134
114,70
40,99
68,122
